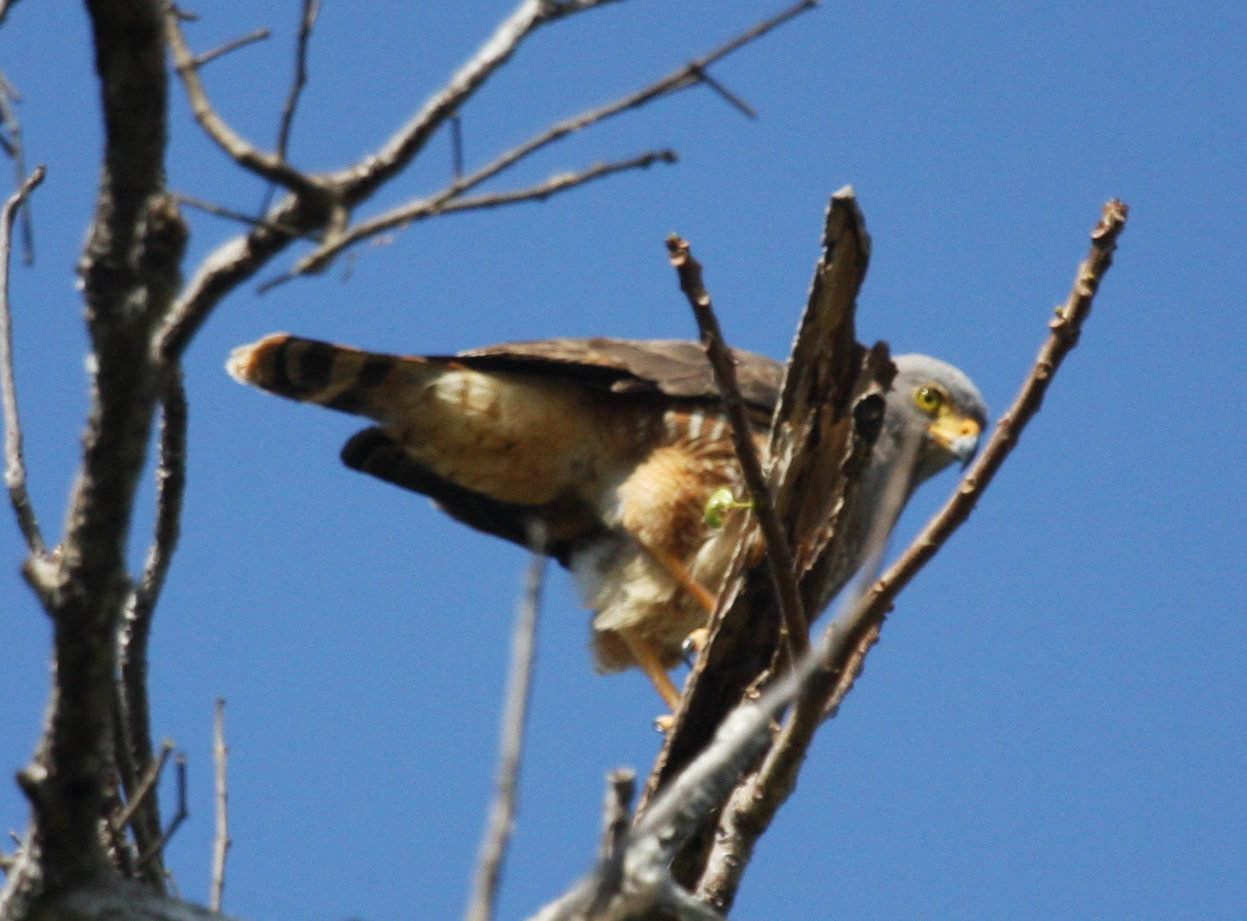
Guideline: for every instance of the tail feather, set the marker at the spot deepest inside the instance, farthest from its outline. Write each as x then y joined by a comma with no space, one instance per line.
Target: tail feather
309,371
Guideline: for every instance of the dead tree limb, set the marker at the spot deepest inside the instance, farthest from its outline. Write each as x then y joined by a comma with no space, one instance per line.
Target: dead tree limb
793,630
755,801
737,780
515,716
14,462
691,74
221,840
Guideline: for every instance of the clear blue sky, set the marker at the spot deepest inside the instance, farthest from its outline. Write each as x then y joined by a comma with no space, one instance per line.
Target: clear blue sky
1055,722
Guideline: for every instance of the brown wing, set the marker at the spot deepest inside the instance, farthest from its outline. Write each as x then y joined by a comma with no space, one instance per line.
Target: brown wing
659,367
553,424
672,367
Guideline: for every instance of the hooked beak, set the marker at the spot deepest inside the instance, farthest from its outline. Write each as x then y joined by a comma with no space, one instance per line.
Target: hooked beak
958,435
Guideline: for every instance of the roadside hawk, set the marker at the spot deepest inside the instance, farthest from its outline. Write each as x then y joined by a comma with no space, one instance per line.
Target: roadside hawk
610,450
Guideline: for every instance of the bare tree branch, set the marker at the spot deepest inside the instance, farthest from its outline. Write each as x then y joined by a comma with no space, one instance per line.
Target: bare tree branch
616,820
301,214
209,208
15,465
732,99
15,147
129,273
821,436
250,38
407,214
456,146
361,180
519,684
756,800
145,788
272,167
230,265
778,554
307,22
682,78
221,841
182,814
1066,329
134,744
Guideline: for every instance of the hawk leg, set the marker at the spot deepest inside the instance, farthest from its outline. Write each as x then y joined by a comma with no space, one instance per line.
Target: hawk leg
647,658
672,564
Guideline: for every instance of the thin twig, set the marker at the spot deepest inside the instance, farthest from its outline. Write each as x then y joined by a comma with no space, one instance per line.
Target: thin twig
755,802
690,74
731,98
146,785
362,179
502,812
238,260
307,22
221,211
127,774
179,817
1065,331
681,78
616,819
412,212
592,896
778,552
207,57
269,166
17,150
221,841
15,465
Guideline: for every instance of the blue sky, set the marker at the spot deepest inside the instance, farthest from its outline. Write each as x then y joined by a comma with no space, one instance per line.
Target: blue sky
1054,724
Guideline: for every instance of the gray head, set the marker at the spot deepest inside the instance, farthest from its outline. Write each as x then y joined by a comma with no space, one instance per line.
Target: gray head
932,397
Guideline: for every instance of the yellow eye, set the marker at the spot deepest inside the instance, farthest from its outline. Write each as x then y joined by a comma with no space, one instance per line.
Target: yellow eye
930,398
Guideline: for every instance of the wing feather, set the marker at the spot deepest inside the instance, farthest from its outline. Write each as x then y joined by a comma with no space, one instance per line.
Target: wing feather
673,367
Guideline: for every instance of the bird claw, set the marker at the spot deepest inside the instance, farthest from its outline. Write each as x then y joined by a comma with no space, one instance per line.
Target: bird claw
693,644
664,723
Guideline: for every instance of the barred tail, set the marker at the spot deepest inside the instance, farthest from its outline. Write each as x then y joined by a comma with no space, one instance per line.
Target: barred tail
335,376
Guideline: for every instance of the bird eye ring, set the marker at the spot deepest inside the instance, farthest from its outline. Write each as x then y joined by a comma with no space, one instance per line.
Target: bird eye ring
929,398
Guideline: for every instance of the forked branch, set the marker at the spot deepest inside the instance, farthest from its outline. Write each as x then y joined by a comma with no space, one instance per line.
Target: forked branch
445,203
757,798
272,167
451,198
361,180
